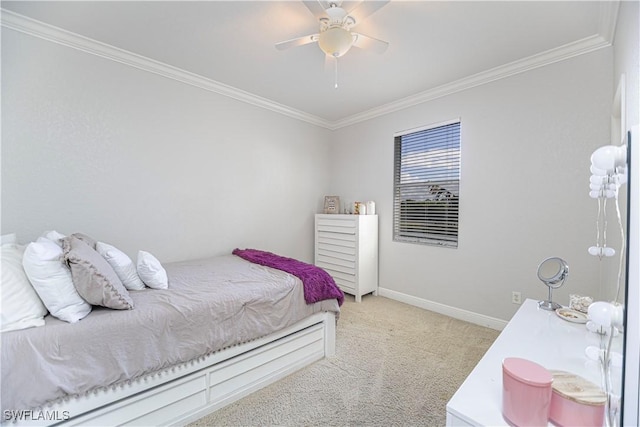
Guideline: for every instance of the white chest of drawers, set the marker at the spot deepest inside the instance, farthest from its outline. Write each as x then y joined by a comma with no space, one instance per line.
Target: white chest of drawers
346,246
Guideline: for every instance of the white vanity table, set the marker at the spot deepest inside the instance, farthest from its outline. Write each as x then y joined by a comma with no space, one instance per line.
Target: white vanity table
535,334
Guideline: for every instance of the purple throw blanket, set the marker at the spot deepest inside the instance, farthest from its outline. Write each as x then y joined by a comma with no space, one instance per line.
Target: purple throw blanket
318,285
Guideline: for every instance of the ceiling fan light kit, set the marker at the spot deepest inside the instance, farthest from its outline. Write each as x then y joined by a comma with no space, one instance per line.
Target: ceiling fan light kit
336,41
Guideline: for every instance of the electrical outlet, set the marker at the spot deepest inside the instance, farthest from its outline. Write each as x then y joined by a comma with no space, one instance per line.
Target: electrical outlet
516,297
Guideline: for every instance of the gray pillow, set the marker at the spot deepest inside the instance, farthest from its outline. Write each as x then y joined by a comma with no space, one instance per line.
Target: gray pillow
93,277
87,239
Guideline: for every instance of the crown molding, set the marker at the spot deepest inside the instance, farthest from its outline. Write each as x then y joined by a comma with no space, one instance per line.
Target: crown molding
63,37
607,23
561,53
604,38
608,19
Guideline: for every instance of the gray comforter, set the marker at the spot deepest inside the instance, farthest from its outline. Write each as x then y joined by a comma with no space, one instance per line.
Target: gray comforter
210,304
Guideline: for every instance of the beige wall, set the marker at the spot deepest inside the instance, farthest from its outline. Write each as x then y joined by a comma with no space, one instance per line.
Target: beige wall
526,142
146,162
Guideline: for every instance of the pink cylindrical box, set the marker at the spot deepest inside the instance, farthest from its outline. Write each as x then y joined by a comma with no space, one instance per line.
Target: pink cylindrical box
526,392
576,401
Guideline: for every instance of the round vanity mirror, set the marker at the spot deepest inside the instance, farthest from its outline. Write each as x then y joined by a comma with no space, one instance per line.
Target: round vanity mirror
552,272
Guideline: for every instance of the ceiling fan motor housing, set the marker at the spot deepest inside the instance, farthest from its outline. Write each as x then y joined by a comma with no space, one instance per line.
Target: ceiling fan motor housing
336,14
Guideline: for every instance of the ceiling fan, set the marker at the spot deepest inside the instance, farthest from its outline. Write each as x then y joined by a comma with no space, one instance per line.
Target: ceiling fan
336,37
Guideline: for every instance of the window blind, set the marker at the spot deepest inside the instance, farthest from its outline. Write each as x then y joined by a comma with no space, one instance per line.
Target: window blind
426,185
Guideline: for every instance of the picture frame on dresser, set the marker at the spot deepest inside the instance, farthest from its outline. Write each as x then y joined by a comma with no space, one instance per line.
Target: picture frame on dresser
331,204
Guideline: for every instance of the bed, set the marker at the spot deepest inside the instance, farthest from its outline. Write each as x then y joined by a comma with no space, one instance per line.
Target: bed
225,327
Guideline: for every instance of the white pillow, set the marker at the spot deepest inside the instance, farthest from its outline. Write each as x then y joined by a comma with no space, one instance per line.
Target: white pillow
51,278
151,271
54,236
8,239
122,264
21,307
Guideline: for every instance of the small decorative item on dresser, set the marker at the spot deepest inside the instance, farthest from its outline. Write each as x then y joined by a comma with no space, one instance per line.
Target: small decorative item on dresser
580,303
359,208
331,204
526,392
371,207
576,401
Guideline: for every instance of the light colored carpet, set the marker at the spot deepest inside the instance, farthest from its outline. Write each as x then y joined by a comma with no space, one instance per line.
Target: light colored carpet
395,365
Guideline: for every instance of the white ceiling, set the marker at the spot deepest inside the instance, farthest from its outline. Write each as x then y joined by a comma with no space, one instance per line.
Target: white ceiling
434,46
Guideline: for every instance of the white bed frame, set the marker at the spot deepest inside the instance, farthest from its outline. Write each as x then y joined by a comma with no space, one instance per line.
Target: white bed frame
187,392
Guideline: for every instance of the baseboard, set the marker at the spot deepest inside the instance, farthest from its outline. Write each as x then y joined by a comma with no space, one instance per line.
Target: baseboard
456,313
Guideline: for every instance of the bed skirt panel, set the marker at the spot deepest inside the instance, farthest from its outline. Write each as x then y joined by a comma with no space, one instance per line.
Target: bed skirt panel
189,391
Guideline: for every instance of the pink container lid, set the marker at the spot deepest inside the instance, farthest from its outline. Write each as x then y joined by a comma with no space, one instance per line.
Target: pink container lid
527,371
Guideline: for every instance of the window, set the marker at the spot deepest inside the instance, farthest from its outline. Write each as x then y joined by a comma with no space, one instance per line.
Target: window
426,186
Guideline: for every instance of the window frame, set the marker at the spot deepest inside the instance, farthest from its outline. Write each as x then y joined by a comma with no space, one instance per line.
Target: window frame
435,213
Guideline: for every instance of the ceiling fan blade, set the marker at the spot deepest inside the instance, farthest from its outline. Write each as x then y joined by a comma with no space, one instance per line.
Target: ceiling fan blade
366,8
316,7
368,42
300,41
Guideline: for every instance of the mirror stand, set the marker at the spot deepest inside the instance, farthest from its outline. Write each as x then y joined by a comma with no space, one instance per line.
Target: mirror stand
549,304
552,272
